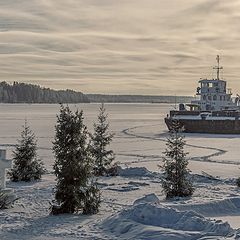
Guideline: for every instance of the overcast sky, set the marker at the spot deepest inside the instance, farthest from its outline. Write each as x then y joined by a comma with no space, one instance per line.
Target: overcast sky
119,46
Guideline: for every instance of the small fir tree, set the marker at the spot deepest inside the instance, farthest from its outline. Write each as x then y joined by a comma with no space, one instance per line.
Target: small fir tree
238,182
26,164
176,182
6,199
101,139
76,188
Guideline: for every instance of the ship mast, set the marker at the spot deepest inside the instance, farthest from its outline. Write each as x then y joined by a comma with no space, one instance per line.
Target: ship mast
218,68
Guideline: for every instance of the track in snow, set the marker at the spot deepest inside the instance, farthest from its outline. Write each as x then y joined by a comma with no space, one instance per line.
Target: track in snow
207,158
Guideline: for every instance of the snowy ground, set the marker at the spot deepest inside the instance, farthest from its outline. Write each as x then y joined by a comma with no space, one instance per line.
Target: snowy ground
139,142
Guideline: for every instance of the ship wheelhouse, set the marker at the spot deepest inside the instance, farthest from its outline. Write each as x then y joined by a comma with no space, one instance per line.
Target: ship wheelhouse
213,94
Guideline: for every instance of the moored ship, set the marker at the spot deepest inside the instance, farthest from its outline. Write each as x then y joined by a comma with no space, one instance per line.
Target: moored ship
215,111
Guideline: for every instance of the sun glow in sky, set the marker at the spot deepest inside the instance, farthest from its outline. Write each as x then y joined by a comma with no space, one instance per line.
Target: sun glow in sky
159,47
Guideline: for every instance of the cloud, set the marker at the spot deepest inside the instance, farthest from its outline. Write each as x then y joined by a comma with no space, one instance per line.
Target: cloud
124,47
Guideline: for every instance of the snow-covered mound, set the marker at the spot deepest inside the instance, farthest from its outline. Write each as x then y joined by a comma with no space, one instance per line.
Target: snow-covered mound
134,172
214,208
149,198
155,221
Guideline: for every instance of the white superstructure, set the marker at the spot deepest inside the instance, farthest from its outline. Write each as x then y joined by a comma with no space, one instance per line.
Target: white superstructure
214,95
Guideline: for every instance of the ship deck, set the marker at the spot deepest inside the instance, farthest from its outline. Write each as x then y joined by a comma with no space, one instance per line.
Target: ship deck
217,114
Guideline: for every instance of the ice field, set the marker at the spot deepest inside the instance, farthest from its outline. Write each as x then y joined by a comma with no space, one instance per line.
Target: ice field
133,205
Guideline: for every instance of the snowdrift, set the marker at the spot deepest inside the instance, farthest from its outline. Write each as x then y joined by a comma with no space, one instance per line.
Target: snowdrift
150,198
151,220
135,172
228,206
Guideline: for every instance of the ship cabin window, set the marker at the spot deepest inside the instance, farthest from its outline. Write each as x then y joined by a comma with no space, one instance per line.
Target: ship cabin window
215,84
204,97
210,85
224,98
220,98
204,85
209,98
214,97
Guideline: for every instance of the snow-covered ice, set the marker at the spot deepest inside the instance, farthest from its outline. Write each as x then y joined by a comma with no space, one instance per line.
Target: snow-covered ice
133,204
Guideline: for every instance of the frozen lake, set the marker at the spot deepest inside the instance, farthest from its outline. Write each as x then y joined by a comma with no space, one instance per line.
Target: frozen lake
139,135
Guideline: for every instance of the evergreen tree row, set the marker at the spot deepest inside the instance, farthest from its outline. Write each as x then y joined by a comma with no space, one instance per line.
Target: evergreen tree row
29,93
79,158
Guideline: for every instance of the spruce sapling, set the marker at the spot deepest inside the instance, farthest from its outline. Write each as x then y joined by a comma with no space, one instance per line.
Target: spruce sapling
101,139
26,164
76,188
238,182
176,182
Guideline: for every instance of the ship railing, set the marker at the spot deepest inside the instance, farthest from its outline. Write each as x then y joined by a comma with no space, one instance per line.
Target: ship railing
213,113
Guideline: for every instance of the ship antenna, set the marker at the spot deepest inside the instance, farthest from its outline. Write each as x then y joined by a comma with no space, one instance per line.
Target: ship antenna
218,68
175,101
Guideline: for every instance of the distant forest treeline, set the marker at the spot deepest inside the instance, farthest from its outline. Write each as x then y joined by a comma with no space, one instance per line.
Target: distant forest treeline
137,98
29,93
